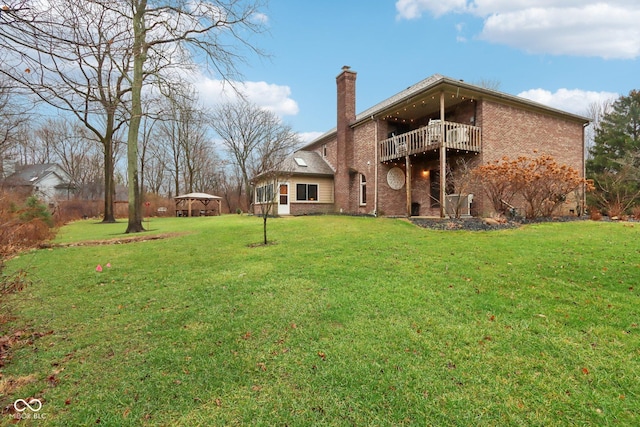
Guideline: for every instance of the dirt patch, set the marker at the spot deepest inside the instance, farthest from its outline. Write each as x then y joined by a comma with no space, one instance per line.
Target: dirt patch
115,241
10,385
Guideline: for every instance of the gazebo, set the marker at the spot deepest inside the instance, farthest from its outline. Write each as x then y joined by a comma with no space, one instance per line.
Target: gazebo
185,201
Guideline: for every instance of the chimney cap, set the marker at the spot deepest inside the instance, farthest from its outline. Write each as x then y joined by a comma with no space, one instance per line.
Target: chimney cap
346,68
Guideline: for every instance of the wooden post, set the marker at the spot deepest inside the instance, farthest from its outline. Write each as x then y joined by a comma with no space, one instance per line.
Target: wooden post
408,183
190,200
443,159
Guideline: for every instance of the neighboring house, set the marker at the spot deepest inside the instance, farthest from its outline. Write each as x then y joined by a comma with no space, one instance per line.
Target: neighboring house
393,158
46,181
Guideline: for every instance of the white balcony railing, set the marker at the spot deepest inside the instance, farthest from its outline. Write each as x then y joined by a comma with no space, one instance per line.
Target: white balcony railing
457,136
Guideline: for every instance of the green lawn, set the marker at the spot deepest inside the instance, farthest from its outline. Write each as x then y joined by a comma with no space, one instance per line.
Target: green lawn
343,321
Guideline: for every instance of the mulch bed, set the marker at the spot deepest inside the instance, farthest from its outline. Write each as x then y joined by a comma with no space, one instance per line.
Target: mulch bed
481,224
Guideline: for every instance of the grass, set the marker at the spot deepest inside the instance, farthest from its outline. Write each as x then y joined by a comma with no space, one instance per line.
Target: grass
344,321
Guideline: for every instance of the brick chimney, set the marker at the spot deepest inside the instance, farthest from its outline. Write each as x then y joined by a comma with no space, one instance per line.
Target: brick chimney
346,87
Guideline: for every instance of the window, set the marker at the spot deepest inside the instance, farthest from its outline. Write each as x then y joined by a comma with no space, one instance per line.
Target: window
307,192
363,190
264,194
324,150
300,161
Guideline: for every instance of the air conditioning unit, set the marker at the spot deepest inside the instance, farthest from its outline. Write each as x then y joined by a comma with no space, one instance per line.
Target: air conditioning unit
458,205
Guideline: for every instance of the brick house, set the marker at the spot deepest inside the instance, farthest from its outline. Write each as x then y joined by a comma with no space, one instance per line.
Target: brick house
392,159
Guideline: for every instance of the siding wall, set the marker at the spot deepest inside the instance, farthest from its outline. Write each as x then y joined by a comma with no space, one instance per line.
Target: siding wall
325,188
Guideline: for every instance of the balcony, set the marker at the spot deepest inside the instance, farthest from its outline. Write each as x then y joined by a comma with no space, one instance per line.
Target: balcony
427,138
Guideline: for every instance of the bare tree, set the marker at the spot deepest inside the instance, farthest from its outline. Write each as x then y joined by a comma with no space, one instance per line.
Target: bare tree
464,182
164,32
183,128
72,146
279,171
155,168
258,142
230,182
92,59
72,56
595,111
13,117
253,138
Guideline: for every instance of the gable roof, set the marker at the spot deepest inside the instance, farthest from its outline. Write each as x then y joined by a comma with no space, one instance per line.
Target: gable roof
438,82
309,163
32,174
197,196
303,163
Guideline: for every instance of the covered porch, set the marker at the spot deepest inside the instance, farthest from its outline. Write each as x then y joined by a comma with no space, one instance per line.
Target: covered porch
431,129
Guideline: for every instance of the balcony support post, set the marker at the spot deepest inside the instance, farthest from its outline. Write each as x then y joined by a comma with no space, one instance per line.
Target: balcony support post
408,185
443,159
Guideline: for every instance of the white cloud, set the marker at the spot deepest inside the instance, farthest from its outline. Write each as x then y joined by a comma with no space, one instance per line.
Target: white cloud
600,30
307,137
413,9
260,18
269,96
575,101
559,27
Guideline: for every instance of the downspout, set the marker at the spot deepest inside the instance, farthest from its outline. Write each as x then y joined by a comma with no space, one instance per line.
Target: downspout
407,160
375,171
584,171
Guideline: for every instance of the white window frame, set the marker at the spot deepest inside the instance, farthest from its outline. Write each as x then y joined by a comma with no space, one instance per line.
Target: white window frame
262,194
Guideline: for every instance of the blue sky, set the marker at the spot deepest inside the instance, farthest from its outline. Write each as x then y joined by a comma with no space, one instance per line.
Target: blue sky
563,53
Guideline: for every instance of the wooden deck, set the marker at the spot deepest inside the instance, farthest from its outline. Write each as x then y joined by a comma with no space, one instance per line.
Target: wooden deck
457,136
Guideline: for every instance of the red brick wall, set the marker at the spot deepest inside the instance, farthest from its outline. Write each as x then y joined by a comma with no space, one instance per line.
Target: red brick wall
310,208
509,131
512,132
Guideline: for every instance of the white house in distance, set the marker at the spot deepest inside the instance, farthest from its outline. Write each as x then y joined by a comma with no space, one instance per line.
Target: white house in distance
46,181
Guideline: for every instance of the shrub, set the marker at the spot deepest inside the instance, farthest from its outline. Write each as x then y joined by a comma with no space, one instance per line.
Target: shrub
616,210
594,214
23,224
541,182
35,210
616,191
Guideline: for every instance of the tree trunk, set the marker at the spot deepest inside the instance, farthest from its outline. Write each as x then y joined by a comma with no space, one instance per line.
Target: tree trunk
135,204
109,185
264,227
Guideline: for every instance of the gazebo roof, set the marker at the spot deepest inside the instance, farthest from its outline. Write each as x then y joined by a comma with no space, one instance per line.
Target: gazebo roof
197,196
